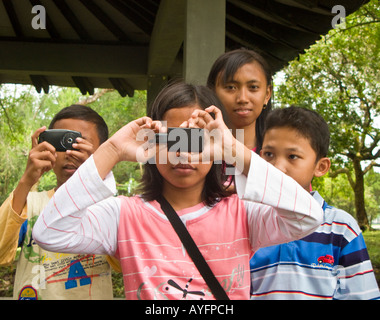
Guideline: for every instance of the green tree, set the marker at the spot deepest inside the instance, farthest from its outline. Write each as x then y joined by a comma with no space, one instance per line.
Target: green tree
338,77
117,112
16,105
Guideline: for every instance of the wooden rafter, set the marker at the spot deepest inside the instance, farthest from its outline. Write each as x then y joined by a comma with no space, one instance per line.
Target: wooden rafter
106,20
72,19
13,17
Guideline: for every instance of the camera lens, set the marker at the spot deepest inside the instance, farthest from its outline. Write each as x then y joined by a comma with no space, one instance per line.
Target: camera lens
67,140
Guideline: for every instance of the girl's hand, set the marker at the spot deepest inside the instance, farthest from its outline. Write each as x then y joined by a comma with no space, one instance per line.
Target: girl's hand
128,144
220,144
132,141
203,119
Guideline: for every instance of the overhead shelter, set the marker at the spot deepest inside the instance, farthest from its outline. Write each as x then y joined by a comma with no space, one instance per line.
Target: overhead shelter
141,44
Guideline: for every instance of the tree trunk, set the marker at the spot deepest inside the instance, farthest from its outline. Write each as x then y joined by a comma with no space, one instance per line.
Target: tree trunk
361,213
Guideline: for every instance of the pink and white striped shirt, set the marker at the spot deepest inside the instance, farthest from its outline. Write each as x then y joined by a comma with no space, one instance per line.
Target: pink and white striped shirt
85,217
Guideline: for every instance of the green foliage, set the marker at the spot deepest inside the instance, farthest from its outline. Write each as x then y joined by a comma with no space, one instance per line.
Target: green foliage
338,77
48,181
16,105
117,112
336,192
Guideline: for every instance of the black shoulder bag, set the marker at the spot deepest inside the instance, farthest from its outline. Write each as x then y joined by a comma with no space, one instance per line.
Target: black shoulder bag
193,250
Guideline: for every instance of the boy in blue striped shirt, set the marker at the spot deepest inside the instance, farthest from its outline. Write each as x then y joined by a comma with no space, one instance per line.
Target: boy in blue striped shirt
332,262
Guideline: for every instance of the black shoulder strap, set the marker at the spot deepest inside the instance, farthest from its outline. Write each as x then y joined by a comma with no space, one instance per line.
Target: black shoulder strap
193,250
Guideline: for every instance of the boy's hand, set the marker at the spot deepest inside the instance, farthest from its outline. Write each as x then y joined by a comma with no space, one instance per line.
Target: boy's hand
41,159
84,149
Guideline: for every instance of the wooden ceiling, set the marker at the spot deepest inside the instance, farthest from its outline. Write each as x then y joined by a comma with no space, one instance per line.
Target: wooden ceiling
105,43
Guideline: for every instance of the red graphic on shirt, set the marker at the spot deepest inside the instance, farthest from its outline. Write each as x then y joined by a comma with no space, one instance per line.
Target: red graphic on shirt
326,259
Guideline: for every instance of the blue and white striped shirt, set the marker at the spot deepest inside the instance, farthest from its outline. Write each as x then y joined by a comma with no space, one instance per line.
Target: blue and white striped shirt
330,263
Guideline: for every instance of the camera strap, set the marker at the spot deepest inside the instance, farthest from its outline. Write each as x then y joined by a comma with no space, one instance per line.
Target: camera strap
192,250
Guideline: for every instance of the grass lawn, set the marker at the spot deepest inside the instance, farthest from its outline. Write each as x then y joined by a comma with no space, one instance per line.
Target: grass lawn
372,240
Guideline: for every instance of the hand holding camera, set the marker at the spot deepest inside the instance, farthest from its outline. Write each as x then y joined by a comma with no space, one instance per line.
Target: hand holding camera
222,145
42,158
45,145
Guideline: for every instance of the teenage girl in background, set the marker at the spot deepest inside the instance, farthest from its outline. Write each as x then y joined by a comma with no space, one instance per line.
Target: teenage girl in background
242,80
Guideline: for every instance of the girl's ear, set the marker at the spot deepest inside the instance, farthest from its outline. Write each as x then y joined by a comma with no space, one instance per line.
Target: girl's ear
268,94
323,165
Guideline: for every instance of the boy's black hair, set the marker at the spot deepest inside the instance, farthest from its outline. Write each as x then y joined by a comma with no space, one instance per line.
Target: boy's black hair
179,95
84,113
307,123
227,65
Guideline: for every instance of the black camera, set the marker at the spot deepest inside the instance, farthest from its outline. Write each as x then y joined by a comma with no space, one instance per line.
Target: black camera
60,139
182,139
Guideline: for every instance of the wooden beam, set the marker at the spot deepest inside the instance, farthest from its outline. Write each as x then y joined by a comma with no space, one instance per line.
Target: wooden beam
84,84
306,5
105,20
134,13
72,19
204,37
122,86
47,58
167,36
260,32
40,82
245,43
12,15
